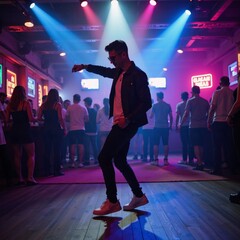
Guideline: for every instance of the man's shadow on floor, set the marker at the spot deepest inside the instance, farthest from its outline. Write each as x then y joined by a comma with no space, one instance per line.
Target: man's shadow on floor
130,227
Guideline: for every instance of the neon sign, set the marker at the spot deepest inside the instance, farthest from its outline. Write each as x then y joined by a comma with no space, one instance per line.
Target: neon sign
40,94
11,82
0,75
203,81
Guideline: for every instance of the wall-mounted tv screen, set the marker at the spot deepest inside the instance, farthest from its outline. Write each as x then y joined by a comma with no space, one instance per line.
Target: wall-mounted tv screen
0,75
90,84
232,73
160,82
31,87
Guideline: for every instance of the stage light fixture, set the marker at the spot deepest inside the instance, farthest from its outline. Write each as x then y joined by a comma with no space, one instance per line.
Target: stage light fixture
29,23
84,3
114,2
180,51
188,12
30,4
165,69
62,54
153,2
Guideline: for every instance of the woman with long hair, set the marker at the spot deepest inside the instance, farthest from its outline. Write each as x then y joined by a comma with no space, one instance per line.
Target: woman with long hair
54,129
20,112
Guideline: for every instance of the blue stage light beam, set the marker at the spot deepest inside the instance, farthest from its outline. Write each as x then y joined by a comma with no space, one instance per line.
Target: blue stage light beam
160,51
116,27
64,39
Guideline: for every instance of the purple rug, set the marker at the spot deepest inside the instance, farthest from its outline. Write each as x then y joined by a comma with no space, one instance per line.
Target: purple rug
145,172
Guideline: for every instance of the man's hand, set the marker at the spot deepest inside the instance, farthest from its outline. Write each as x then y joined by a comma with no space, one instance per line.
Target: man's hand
230,120
78,67
123,122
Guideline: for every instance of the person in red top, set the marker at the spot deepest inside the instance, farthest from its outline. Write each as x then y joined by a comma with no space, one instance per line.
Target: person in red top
130,99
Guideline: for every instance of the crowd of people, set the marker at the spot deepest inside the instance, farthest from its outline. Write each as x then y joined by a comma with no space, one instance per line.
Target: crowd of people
89,135
78,131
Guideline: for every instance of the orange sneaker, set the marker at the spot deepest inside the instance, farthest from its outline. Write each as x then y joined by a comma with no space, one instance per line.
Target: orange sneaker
136,202
107,208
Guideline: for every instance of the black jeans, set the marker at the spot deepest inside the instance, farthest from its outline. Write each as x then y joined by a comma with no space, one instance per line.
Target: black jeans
90,140
116,148
52,151
236,138
148,143
187,148
223,145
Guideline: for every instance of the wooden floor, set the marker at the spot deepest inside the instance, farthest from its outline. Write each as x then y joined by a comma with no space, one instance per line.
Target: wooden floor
177,210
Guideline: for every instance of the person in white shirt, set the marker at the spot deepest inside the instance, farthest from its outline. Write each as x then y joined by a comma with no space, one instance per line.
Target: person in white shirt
221,103
77,116
162,113
197,111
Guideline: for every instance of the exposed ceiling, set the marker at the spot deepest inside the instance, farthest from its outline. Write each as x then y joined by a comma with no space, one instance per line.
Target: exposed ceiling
212,22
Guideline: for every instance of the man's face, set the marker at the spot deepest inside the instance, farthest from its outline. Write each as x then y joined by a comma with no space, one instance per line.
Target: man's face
66,104
115,58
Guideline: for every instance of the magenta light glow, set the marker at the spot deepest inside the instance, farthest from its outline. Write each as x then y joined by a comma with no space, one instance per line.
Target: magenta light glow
141,25
153,2
93,21
91,16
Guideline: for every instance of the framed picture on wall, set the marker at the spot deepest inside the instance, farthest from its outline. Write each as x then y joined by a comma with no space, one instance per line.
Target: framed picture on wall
31,85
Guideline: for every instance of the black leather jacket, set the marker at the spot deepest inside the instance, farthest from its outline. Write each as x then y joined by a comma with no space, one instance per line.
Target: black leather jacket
136,97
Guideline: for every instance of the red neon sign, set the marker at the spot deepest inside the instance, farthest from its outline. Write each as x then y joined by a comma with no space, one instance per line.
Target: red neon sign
11,82
203,81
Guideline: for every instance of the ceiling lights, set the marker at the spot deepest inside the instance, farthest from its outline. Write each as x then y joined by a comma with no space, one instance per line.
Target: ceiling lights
84,3
31,4
180,51
153,2
29,23
114,2
62,54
